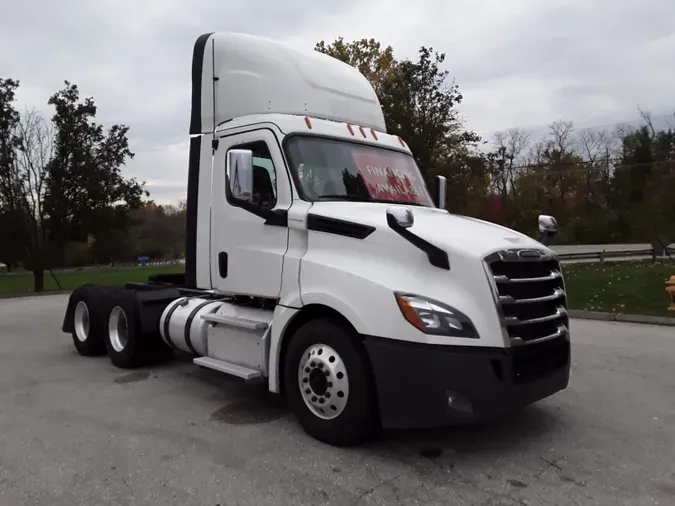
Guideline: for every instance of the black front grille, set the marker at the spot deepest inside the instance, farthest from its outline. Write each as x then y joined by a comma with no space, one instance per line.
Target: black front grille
532,301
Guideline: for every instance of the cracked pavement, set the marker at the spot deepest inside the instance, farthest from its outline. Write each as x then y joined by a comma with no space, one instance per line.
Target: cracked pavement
75,430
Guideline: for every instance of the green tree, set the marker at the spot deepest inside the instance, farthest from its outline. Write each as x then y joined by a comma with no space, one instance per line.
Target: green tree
87,193
62,180
644,182
10,216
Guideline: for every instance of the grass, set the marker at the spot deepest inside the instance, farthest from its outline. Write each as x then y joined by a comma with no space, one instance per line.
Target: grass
613,287
626,287
23,283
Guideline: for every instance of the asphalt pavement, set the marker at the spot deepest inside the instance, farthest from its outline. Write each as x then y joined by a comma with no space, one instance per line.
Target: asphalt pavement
77,431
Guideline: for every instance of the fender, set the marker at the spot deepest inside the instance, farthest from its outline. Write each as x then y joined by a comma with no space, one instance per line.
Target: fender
284,316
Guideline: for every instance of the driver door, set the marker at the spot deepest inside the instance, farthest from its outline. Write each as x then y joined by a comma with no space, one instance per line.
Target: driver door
247,254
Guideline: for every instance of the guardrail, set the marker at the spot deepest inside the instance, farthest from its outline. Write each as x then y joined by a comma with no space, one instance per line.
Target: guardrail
603,255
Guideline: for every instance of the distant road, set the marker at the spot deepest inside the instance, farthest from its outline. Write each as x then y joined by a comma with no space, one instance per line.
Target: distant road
597,248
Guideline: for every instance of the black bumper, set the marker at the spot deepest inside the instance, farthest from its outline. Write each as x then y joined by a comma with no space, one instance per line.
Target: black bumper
414,382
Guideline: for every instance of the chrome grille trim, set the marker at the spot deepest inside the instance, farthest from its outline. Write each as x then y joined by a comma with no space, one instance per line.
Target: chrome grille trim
529,293
505,279
557,293
562,331
512,320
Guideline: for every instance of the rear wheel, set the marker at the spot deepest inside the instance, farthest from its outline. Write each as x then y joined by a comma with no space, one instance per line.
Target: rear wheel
329,384
123,339
127,344
89,320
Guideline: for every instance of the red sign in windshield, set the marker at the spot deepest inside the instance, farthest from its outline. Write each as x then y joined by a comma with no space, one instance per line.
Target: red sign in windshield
391,178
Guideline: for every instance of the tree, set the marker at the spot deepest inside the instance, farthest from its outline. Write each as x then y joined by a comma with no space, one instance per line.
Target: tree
10,218
418,103
367,55
34,146
505,164
87,193
61,181
27,149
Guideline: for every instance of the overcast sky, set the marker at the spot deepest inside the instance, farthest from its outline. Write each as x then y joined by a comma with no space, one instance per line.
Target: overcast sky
518,62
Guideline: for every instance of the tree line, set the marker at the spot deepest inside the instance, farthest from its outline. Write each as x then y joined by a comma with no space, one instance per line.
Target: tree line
603,186
64,200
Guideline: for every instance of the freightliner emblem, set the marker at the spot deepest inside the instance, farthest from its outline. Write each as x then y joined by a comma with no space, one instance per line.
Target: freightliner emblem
530,253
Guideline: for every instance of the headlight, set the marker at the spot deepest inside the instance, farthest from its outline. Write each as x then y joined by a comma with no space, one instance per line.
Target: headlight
435,318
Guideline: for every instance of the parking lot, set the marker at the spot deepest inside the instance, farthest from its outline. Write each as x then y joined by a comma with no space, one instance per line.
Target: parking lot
78,431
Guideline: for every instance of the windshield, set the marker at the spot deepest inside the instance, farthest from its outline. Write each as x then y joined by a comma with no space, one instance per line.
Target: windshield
339,170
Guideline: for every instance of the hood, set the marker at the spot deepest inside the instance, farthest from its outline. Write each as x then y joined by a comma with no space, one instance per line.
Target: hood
451,232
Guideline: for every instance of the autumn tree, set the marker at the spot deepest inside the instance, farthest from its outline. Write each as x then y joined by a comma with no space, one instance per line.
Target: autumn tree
419,102
376,63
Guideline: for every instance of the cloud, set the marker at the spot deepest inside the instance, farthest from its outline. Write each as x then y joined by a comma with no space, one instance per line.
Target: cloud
517,62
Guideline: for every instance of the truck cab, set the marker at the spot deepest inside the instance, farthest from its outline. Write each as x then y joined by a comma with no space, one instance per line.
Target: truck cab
319,263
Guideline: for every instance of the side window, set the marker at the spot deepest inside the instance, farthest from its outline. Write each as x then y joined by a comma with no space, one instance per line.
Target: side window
264,175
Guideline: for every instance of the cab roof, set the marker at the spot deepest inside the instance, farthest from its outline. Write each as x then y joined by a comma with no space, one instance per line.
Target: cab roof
251,75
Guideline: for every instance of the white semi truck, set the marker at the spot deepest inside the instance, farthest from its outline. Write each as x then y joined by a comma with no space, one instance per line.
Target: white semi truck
318,262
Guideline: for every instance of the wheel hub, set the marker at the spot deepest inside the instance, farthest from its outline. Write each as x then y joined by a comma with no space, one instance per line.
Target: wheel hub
81,321
117,329
323,381
318,382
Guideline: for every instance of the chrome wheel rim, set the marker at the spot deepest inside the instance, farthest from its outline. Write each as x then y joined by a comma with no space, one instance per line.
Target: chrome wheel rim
118,330
81,321
323,381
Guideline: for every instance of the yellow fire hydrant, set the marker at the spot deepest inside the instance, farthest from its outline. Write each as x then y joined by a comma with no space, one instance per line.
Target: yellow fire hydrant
670,290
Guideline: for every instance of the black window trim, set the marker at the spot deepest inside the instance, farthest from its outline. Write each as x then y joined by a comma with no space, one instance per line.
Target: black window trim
273,217
246,145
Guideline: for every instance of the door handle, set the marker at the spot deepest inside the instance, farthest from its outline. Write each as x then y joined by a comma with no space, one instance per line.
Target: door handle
222,264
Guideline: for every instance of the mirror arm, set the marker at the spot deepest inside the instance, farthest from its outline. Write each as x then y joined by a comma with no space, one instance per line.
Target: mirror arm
273,217
437,256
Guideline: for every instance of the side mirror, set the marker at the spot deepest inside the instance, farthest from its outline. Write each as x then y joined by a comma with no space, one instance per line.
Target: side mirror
401,217
239,168
441,191
548,227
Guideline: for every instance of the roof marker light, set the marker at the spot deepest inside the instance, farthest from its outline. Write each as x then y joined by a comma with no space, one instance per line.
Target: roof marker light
309,123
351,130
363,132
401,141
374,134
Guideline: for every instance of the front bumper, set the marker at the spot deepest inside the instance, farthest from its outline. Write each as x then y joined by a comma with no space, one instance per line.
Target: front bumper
415,382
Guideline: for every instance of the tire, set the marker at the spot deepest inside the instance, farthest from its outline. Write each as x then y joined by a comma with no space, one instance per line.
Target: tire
127,345
123,335
349,413
90,304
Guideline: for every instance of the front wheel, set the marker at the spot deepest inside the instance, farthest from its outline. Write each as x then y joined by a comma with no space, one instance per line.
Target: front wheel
329,385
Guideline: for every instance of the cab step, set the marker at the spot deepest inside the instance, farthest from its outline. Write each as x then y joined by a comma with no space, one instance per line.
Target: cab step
234,321
245,373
